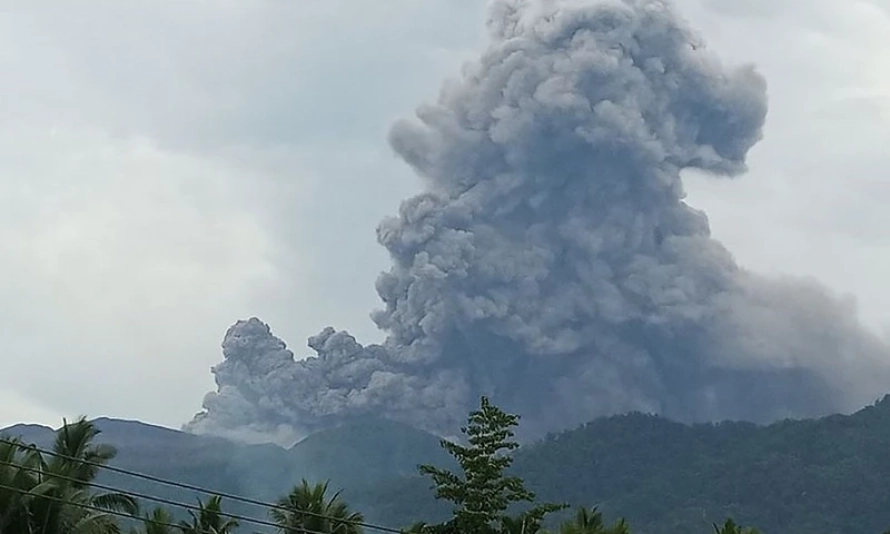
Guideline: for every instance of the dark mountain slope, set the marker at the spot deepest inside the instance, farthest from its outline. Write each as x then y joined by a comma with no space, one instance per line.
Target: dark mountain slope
827,475
353,457
830,475
365,453
37,434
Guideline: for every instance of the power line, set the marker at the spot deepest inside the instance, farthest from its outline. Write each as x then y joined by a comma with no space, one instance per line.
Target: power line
183,485
86,506
161,500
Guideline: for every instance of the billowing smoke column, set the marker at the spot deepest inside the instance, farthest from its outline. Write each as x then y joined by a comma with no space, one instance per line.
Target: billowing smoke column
551,262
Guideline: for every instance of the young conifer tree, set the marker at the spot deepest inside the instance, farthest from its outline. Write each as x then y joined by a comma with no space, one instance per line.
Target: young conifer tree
483,492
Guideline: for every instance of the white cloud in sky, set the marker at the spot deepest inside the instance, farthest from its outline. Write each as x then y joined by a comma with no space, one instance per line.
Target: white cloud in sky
14,408
168,168
813,200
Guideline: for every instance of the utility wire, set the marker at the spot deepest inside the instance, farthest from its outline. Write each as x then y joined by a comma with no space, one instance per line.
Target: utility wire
86,506
182,485
147,520
161,500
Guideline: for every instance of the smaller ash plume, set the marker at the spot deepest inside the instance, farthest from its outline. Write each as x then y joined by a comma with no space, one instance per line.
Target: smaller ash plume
265,395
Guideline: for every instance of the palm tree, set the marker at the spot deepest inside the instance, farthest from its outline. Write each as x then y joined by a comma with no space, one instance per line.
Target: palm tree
76,456
209,519
158,521
79,514
420,527
520,525
307,510
18,464
731,527
590,521
53,496
586,521
66,476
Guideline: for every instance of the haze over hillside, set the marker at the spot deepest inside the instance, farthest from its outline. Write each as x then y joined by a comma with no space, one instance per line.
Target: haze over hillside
357,456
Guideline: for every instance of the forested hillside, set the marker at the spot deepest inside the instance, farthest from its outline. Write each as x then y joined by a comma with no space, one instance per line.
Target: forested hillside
829,475
825,475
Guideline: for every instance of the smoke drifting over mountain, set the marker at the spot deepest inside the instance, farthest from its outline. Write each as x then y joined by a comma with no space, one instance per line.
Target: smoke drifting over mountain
551,261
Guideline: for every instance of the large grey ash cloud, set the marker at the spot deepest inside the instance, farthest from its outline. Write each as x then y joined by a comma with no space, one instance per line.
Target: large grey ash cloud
551,261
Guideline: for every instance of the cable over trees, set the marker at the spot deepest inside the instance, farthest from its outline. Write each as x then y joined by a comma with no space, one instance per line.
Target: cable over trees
54,492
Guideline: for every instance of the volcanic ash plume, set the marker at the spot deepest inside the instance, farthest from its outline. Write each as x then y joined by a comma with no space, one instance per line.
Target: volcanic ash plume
551,262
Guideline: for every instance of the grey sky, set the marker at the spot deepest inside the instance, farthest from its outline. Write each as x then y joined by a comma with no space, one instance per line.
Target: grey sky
166,170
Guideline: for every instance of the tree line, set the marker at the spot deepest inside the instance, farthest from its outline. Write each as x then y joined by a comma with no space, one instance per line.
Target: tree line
54,492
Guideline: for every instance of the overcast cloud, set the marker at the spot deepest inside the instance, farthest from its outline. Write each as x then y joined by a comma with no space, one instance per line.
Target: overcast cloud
166,170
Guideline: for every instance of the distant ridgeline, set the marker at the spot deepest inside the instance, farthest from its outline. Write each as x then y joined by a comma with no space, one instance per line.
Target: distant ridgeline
815,476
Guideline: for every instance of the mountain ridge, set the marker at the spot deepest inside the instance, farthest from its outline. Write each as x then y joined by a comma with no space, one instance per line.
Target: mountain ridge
829,475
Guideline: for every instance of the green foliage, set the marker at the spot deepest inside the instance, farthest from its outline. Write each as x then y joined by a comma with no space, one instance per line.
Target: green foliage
483,492
792,477
730,527
590,521
16,479
52,495
308,510
828,475
209,519
158,521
